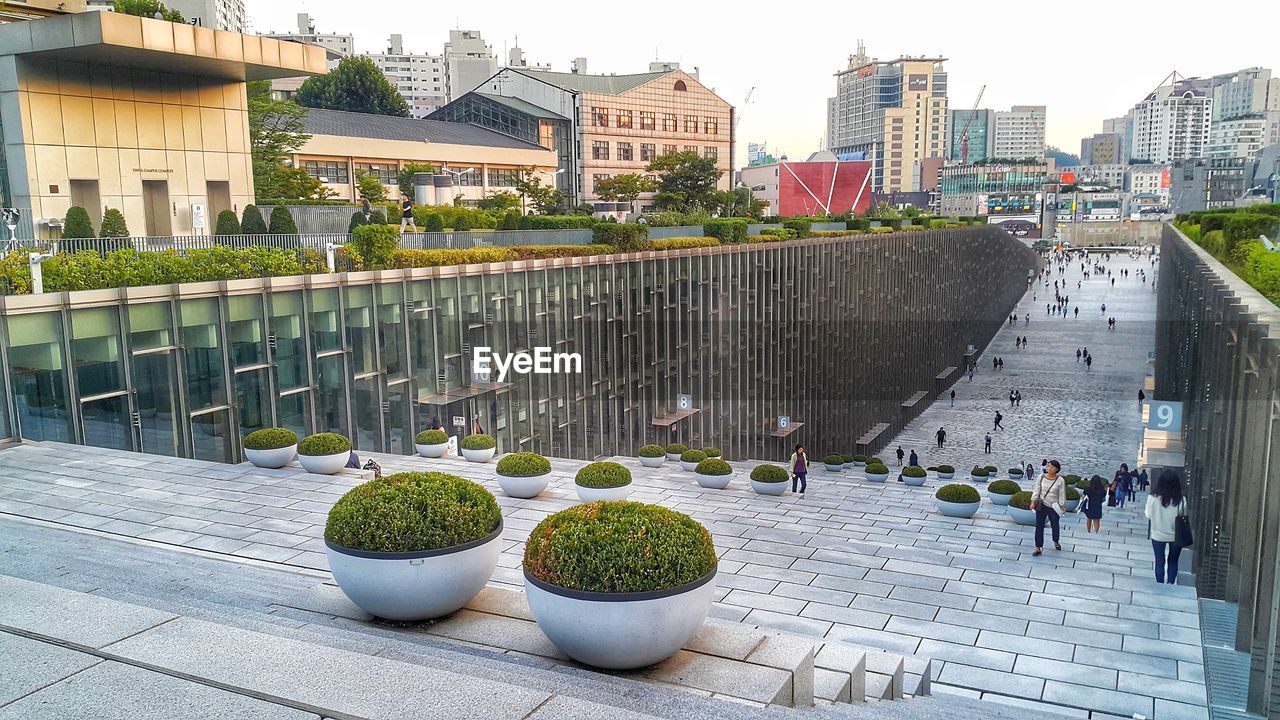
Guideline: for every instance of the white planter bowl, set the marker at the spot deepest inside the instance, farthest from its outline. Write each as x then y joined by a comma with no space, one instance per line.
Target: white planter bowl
325,464
833,468
1072,505
479,456
1022,517
274,458
914,482
713,482
673,457
688,466
620,631
653,462
432,451
998,499
946,476
763,488
523,487
877,477
415,586
958,510
858,464
586,494
979,480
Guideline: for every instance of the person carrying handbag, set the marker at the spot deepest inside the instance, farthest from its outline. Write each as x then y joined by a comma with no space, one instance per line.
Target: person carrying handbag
1170,526
1049,491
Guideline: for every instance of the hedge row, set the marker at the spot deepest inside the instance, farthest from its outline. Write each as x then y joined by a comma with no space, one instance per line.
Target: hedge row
1237,245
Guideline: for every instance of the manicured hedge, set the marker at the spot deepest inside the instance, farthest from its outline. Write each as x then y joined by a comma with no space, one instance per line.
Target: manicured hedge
543,252
557,222
323,444
677,448
412,512
714,466
958,493
692,456
431,437
682,243
1004,487
478,441
603,475
652,451
373,247
523,464
914,471
437,258
769,474
727,230
623,236
270,439
800,226
1021,500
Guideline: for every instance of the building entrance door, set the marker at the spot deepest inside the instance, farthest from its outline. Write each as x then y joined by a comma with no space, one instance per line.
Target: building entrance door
155,202
155,394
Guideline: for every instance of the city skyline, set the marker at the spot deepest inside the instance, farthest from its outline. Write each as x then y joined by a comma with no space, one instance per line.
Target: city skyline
795,77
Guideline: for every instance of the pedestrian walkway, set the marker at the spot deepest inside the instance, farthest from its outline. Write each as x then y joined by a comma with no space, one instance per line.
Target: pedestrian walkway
1085,631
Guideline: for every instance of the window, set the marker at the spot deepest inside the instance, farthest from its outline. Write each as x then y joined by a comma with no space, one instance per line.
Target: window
691,123
624,118
475,178
710,125
647,152
648,120
600,117
681,87
691,148
624,151
669,122
668,149
385,172
599,150
327,171
712,152
503,178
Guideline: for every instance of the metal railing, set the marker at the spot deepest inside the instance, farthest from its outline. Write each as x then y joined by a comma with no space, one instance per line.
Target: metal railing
493,238
183,243
316,219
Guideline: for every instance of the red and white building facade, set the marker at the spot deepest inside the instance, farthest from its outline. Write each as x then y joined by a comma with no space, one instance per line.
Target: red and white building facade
822,185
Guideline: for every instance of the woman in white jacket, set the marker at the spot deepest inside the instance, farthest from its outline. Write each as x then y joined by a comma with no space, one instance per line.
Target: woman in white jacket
1050,490
1164,504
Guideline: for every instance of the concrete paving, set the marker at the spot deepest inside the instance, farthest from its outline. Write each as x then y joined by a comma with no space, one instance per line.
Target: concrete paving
870,564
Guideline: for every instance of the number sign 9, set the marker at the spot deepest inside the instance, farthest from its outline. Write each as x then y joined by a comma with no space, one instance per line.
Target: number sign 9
1165,416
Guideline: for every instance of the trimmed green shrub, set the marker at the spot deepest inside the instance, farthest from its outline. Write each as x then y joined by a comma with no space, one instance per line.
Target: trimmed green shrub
727,230
373,247
523,464
542,252
113,225
228,224
1015,472
602,475
461,224
90,270
712,452
622,236
946,469
876,468
958,493
282,222
1213,221
324,444
560,222
800,226
833,459
847,458
433,223
992,469
77,224
431,437
439,258
874,461
681,243
713,466
677,449
859,458
914,471
978,472
692,456
478,441
357,221
412,512
652,451
932,469
1072,493
861,224
251,222
1071,479
616,547
769,474
270,439
510,221
1021,500
1004,487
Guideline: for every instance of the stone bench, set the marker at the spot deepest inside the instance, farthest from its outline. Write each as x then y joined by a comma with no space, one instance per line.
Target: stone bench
868,439
946,374
914,400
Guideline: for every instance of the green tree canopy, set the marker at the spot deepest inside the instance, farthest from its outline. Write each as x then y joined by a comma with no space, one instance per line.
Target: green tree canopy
251,222
147,8
77,224
113,225
356,85
625,188
371,187
405,178
544,199
275,131
499,203
685,179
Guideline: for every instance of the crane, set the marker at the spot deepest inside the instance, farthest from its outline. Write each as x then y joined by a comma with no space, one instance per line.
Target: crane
737,117
964,134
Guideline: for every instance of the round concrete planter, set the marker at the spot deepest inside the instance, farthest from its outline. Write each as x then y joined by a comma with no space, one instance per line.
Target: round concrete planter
688,466
1072,505
914,481
976,480
432,451
957,510
877,477
833,468
713,482
479,456
847,466
415,585
673,457
946,476
274,458
620,631
998,499
1022,517
325,464
523,487
653,462
763,488
586,494
858,464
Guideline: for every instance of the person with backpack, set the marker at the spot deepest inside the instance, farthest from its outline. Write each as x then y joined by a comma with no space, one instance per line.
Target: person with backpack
1049,491
1091,504
1121,484
1167,511
799,468
997,425
953,397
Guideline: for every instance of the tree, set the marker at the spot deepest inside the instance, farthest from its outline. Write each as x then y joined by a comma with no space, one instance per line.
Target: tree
251,222
227,224
282,222
113,225
357,220
544,199
356,85
77,224
371,187
685,179
405,178
462,223
510,221
499,203
433,223
147,8
625,187
275,132
296,184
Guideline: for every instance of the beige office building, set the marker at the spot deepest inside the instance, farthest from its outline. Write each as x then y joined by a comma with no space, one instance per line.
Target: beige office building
105,110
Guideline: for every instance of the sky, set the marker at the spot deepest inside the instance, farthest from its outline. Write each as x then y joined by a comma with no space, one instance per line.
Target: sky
1086,61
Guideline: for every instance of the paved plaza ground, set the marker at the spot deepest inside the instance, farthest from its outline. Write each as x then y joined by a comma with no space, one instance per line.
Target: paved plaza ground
1082,632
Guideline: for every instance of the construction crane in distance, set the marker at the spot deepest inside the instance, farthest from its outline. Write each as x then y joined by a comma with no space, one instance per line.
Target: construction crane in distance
964,134
737,117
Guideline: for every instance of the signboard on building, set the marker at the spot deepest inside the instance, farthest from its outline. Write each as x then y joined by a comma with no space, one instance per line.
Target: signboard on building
1068,178
199,216
917,83
1165,415
1166,178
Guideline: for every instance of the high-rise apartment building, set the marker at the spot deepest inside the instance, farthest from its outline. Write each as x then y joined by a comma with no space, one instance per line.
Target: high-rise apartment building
1245,92
1122,126
893,113
420,79
1243,136
1172,123
336,43
468,62
1018,133
1104,148
977,124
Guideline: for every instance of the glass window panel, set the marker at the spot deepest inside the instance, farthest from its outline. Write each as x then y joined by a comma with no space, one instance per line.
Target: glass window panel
291,344
368,411
391,318
295,413
202,351
331,399
360,331
150,326
38,375
254,398
106,423
325,331
155,379
95,351
245,336
212,437
400,430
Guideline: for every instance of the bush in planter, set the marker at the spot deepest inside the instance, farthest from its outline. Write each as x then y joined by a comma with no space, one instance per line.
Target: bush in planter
652,451
946,469
251,222
271,439
1015,472
282,222
860,458
978,472
913,471
227,224
714,466
411,512
621,235
931,469
1072,494
769,474
1004,487
992,470
833,459
602,475
876,468
324,444
677,449
848,458
523,464
1021,500
958,493
874,461
1071,479
692,456
478,442
431,437
712,452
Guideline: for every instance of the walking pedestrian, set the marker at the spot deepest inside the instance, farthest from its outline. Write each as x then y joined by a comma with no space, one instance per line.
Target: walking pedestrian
986,448
799,468
1142,397
914,460
1088,363
1122,484
1143,482
953,397
900,455
406,213
998,426
1077,311
1165,505
1050,491
1000,360
1091,504
1017,398
942,437
995,363
1078,354
1010,398
1104,308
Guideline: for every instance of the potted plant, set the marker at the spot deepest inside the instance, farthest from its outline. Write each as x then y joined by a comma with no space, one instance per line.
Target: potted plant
769,480
675,450
993,472
523,474
914,475
478,448
431,443
619,585
1001,490
1015,474
713,474
877,472
1073,498
652,456
958,500
602,481
1020,509
712,452
689,459
946,472
859,460
271,447
848,461
413,546
833,462
324,453
979,474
